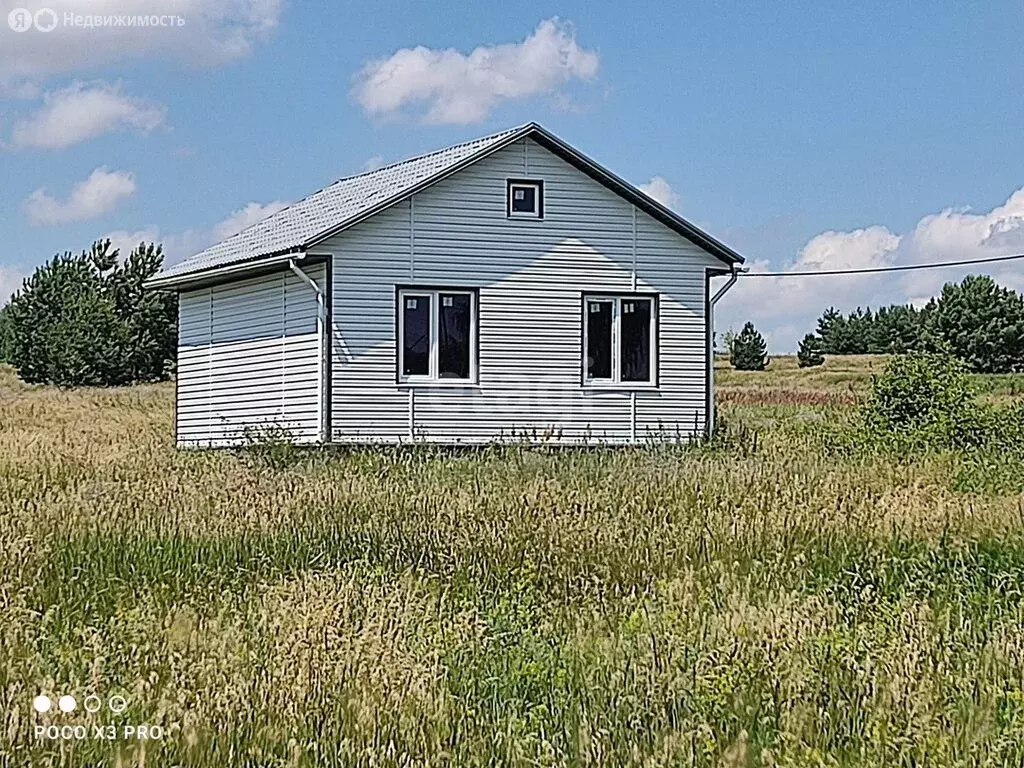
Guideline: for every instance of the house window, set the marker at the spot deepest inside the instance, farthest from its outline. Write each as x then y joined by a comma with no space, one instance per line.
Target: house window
525,199
619,339
437,335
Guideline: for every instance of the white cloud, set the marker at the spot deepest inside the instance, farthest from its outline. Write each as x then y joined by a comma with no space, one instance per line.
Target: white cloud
787,308
244,217
181,245
453,87
214,31
959,234
84,111
867,248
662,191
373,163
97,195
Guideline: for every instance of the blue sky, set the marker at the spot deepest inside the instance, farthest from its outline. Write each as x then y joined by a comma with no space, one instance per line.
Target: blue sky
806,135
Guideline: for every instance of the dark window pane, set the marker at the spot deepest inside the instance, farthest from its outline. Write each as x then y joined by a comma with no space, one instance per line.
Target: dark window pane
415,335
453,335
635,327
599,339
524,199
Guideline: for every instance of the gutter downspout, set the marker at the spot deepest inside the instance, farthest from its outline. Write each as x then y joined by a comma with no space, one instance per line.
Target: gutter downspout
733,276
321,325
321,303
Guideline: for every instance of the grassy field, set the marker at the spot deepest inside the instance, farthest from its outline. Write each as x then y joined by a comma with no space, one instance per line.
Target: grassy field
840,381
764,601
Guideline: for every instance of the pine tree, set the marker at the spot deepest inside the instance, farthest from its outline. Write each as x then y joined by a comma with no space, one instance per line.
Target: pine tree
979,322
808,354
748,351
893,329
86,320
832,331
859,325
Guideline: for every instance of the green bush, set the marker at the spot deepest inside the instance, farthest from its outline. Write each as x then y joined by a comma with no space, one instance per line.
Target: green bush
923,400
808,354
86,320
272,446
920,391
748,351
929,401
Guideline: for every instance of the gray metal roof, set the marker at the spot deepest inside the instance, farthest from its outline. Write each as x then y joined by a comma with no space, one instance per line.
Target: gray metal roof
354,198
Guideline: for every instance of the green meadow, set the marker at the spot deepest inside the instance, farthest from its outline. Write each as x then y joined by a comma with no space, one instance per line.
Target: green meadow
765,599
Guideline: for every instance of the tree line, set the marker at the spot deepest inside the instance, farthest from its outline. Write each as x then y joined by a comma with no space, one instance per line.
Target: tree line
977,321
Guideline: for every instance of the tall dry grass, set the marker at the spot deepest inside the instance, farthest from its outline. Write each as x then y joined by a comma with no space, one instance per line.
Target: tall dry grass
784,605
842,380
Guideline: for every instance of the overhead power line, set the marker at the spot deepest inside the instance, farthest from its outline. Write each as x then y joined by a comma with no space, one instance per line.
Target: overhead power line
872,270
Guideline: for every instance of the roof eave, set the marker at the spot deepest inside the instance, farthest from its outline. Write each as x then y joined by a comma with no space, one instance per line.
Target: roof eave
649,205
192,279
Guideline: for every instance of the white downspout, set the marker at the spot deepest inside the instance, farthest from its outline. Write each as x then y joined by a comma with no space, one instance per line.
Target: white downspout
733,275
321,325
321,303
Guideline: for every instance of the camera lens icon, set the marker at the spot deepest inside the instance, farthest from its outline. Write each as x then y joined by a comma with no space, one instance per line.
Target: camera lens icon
67,704
41,704
117,704
92,703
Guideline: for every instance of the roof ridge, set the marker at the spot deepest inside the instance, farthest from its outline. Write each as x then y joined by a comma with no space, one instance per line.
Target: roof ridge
336,182
425,155
310,220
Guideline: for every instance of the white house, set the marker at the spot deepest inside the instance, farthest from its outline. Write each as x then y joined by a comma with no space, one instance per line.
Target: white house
504,288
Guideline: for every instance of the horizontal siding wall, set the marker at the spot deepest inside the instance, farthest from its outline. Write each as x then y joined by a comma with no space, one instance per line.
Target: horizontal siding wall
672,266
250,358
531,275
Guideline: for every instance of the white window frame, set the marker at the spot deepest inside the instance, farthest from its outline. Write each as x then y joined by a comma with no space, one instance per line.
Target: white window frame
433,377
538,198
616,380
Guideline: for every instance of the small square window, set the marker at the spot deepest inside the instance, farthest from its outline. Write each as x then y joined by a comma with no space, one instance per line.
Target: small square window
526,199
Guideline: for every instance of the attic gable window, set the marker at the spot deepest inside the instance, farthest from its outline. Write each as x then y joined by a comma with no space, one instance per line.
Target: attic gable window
525,199
620,345
437,335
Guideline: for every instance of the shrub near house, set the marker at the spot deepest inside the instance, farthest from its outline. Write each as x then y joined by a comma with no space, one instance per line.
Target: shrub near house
929,401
